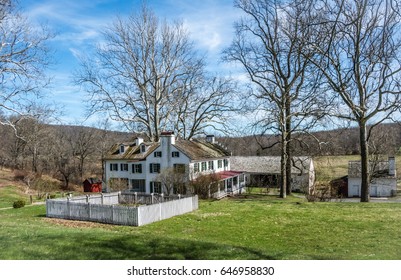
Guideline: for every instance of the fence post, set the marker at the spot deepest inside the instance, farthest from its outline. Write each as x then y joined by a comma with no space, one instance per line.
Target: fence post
152,198
87,198
68,208
179,196
119,197
112,213
162,197
101,198
160,211
89,211
135,197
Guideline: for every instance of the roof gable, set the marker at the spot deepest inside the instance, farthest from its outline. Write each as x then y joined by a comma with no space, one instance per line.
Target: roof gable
132,152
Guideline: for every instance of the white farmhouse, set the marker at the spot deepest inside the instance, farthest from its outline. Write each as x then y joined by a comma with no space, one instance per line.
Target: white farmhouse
137,166
383,178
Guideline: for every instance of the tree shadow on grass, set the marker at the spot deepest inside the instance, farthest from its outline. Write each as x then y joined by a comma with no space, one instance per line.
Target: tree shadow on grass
174,249
138,246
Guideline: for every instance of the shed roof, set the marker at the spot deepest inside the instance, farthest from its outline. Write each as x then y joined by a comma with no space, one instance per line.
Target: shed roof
380,169
268,164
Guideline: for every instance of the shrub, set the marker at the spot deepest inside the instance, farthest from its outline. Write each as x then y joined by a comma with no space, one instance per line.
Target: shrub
19,175
19,204
44,187
205,185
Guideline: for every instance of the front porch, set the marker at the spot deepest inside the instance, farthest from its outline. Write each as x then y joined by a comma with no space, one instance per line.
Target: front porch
229,183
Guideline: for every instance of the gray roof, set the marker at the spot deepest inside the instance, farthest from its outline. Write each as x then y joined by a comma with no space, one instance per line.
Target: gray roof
198,150
194,149
377,169
268,164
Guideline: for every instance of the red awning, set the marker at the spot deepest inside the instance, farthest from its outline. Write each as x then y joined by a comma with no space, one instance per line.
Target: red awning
228,174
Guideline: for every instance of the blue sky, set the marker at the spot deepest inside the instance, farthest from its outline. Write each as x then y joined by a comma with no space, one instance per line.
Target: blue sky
78,26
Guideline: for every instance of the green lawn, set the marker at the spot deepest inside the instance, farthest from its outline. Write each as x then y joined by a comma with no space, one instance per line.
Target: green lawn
257,227
9,194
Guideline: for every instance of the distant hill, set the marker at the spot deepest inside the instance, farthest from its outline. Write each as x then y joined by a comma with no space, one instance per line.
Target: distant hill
385,139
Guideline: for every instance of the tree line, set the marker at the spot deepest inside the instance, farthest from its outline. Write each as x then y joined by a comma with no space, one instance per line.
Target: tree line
67,153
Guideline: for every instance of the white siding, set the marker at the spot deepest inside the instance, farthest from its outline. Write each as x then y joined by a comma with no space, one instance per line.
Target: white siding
379,187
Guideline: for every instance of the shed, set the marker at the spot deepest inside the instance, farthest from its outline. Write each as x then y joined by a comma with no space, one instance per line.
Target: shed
383,181
92,185
266,170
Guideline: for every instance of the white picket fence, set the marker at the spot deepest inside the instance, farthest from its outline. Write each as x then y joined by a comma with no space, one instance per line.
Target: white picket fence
105,208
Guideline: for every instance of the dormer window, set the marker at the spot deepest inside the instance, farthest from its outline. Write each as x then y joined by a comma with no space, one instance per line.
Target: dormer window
143,148
122,149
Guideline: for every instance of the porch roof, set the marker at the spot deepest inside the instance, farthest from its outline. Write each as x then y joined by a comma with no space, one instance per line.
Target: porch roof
228,174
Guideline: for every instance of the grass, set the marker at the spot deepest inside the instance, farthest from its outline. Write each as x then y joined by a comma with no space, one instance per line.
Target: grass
332,167
256,227
9,194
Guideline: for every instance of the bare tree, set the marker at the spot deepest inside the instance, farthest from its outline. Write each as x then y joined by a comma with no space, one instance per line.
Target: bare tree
81,143
23,58
208,103
145,72
173,180
270,45
360,60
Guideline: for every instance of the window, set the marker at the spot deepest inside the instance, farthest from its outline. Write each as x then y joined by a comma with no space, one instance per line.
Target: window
122,149
203,166
211,165
124,166
157,154
137,168
179,168
154,167
155,187
219,163
138,185
143,148
113,166
196,167
225,162
175,154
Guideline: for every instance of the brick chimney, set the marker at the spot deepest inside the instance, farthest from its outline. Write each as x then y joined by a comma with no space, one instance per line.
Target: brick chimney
167,137
210,139
138,141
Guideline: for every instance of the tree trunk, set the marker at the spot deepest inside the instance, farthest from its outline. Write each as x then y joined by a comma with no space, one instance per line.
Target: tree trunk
365,189
288,148
283,183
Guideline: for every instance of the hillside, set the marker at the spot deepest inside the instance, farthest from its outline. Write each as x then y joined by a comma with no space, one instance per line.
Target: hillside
385,139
